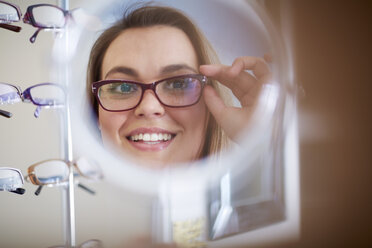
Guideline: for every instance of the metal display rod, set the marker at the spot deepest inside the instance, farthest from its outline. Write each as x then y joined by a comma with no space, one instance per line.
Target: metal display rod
68,197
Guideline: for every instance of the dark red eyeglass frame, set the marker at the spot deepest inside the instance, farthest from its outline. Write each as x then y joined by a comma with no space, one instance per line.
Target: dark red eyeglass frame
29,19
8,25
152,86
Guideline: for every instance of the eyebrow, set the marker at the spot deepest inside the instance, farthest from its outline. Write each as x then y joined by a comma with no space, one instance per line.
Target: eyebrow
123,70
165,70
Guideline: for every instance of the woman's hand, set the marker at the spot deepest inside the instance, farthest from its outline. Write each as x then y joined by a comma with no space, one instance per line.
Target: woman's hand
245,86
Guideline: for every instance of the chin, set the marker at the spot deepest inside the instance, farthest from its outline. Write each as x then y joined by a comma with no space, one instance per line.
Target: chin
153,163
151,160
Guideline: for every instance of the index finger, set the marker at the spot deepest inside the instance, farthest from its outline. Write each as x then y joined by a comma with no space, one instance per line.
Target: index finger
236,77
257,65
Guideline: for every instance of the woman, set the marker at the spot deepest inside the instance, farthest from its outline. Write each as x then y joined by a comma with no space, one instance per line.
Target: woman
184,117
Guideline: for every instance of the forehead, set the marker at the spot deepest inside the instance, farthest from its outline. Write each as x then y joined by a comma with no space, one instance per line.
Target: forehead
149,49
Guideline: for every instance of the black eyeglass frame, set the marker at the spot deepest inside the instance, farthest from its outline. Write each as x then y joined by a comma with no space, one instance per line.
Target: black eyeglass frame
151,86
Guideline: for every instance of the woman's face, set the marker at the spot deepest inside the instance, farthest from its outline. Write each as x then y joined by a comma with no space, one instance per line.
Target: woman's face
147,55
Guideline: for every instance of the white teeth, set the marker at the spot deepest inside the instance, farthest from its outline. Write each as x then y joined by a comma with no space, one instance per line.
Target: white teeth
151,137
146,137
154,137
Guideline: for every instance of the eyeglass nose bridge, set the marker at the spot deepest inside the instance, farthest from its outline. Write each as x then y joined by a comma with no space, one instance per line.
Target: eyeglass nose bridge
26,18
150,86
25,96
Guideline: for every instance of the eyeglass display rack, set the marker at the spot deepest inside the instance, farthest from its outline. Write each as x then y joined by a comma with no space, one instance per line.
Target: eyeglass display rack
68,194
67,190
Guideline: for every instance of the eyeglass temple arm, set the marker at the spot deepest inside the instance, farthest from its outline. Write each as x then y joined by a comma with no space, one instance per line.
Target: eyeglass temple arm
5,113
10,27
38,190
33,37
37,112
19,191
86,189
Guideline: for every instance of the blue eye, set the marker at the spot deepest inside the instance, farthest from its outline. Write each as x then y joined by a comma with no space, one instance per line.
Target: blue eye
122,88
125,87
181,84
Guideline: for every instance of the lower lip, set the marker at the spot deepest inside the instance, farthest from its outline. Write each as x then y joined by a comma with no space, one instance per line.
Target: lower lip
151,145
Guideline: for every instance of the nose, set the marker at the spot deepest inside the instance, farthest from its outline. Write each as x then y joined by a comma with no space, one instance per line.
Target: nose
149,106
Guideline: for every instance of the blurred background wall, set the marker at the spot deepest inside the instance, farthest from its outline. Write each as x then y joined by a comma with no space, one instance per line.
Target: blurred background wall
332,51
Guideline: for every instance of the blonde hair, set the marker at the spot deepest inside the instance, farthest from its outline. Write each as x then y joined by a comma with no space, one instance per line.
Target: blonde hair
147,16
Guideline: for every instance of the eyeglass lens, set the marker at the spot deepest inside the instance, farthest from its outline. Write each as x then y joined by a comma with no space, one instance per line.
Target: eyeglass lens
55,172
10,180
9,94
47,95
174,92
51,172
93,243
8,13
47,16
89,169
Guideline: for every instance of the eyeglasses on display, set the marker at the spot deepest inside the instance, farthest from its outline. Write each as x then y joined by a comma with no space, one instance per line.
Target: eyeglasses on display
55,172
9,13
92,243
40,16
47,17
122,95
44,95
11,180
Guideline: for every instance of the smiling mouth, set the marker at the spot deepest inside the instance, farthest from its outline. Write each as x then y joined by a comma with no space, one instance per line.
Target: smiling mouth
151,138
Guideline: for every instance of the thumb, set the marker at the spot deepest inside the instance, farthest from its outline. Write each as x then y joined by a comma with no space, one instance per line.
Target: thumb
231,119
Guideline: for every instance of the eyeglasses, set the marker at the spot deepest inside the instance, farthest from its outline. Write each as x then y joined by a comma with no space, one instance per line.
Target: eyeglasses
92,243
46,16
175,92
55,172
40,16
11,179
44,95
9,13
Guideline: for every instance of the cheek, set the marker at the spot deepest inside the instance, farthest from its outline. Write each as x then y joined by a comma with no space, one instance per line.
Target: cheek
193,120
110,122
